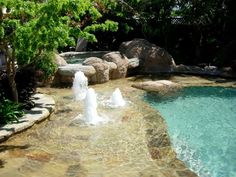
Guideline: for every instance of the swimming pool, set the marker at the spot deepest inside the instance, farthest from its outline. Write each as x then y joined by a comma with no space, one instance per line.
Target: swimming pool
202,126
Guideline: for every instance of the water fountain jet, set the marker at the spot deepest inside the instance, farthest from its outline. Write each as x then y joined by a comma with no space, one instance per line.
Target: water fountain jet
116,99
90,112
80,86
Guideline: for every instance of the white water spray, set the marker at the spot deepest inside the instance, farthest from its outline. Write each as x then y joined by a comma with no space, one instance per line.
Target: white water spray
80,86
116,99
90,111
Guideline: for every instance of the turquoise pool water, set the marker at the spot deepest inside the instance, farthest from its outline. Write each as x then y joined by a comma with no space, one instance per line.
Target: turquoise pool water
75,60
202,126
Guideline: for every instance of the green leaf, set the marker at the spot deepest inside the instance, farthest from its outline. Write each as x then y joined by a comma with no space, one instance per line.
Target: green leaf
2,32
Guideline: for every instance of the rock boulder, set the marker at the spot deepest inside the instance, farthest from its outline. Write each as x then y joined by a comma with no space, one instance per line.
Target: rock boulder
162,86
121,62
71,69
92,60
65,74
153,59
101,67
133,63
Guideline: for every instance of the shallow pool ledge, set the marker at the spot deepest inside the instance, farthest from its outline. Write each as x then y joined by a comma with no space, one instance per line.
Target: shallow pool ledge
160,148
44,106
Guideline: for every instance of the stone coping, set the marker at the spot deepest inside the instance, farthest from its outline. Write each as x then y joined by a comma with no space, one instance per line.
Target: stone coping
71,69
44,106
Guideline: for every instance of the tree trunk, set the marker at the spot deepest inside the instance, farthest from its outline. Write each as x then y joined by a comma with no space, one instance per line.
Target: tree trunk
11,73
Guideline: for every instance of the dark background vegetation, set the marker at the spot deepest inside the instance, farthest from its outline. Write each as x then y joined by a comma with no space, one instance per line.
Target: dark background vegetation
194,32
26,86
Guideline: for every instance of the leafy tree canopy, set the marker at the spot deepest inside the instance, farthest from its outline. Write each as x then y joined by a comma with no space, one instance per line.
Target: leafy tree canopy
28,28
32,27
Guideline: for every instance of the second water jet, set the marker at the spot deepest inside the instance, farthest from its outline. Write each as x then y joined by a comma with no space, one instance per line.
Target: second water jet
116,99
90,110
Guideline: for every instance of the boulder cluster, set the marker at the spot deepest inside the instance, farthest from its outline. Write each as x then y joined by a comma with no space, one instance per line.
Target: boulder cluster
137,55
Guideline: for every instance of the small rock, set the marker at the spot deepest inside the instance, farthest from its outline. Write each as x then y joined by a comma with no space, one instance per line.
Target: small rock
157,86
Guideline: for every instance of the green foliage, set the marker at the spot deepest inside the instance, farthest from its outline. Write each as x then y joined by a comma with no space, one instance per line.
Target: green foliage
10,112
1,32
200,12
202,28
45,63
35,28
46,26
150,16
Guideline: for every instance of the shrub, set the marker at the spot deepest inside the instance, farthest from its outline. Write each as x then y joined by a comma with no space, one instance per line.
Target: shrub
45,63
10,111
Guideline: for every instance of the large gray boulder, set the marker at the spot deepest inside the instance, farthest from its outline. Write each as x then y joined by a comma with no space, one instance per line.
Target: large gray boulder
101,67
121,62
153,59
